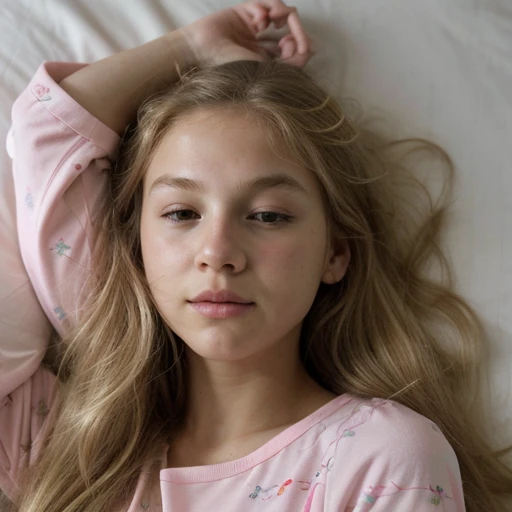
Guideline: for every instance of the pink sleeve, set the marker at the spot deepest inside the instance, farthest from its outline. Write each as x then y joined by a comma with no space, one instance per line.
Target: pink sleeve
393,459
61,160
23,415
60,154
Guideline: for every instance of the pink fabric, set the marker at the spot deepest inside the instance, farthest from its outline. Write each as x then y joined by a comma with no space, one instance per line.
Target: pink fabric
349,455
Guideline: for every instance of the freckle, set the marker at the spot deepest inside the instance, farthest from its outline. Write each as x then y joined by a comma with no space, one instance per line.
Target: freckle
78,167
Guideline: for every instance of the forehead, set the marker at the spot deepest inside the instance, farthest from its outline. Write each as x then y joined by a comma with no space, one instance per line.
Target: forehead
214,138
223,146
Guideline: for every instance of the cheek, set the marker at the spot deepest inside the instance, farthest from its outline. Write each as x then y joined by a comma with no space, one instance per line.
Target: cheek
159,261
147,244
291,273
296,261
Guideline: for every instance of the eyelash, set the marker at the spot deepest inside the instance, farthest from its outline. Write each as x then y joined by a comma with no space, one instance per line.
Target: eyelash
284,217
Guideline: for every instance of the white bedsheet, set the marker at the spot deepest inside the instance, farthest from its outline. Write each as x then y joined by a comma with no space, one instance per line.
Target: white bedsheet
437,69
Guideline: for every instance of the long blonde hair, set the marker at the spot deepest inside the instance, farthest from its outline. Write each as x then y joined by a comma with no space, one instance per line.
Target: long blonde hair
389,329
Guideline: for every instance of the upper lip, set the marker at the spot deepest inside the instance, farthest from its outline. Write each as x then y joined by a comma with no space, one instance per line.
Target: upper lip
220,296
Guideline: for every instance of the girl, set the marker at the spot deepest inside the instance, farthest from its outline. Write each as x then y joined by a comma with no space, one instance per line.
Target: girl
245,321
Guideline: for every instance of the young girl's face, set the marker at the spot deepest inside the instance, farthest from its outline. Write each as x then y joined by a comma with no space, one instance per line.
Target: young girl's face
222,212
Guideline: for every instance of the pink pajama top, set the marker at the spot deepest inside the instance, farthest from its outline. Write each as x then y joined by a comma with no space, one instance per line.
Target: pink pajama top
350,455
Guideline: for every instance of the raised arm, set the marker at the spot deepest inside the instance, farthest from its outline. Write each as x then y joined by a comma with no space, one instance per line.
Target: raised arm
112,89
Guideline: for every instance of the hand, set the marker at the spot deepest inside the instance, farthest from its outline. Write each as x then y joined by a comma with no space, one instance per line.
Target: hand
235,34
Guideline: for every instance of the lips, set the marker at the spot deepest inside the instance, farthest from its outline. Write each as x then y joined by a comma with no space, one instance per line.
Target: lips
225,296
221,309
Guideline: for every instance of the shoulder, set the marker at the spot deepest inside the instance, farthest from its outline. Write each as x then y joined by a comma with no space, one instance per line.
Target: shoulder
387,453
386,429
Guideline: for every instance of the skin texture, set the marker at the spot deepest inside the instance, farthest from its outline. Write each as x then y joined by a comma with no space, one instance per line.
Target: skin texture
246,382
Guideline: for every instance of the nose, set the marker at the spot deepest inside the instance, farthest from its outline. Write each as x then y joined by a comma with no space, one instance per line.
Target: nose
221,245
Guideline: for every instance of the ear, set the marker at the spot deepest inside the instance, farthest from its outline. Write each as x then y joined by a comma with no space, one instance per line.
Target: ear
337,260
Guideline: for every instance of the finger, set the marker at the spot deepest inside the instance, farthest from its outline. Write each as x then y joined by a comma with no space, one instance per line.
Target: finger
280,14
258,15
279,9
288,46
290,55
298,59
298,32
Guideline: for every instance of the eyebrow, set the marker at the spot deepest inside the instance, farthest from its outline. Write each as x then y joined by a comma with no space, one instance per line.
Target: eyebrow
257,184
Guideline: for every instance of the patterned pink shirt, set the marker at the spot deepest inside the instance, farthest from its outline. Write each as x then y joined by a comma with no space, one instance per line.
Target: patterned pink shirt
351,455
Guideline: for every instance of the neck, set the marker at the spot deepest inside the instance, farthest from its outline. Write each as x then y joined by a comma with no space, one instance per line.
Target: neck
231,401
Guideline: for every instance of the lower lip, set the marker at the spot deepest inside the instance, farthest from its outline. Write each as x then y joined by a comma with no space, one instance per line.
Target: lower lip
221,309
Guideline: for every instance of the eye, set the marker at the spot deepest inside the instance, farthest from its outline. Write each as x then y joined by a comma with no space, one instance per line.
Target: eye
267,217
168,215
